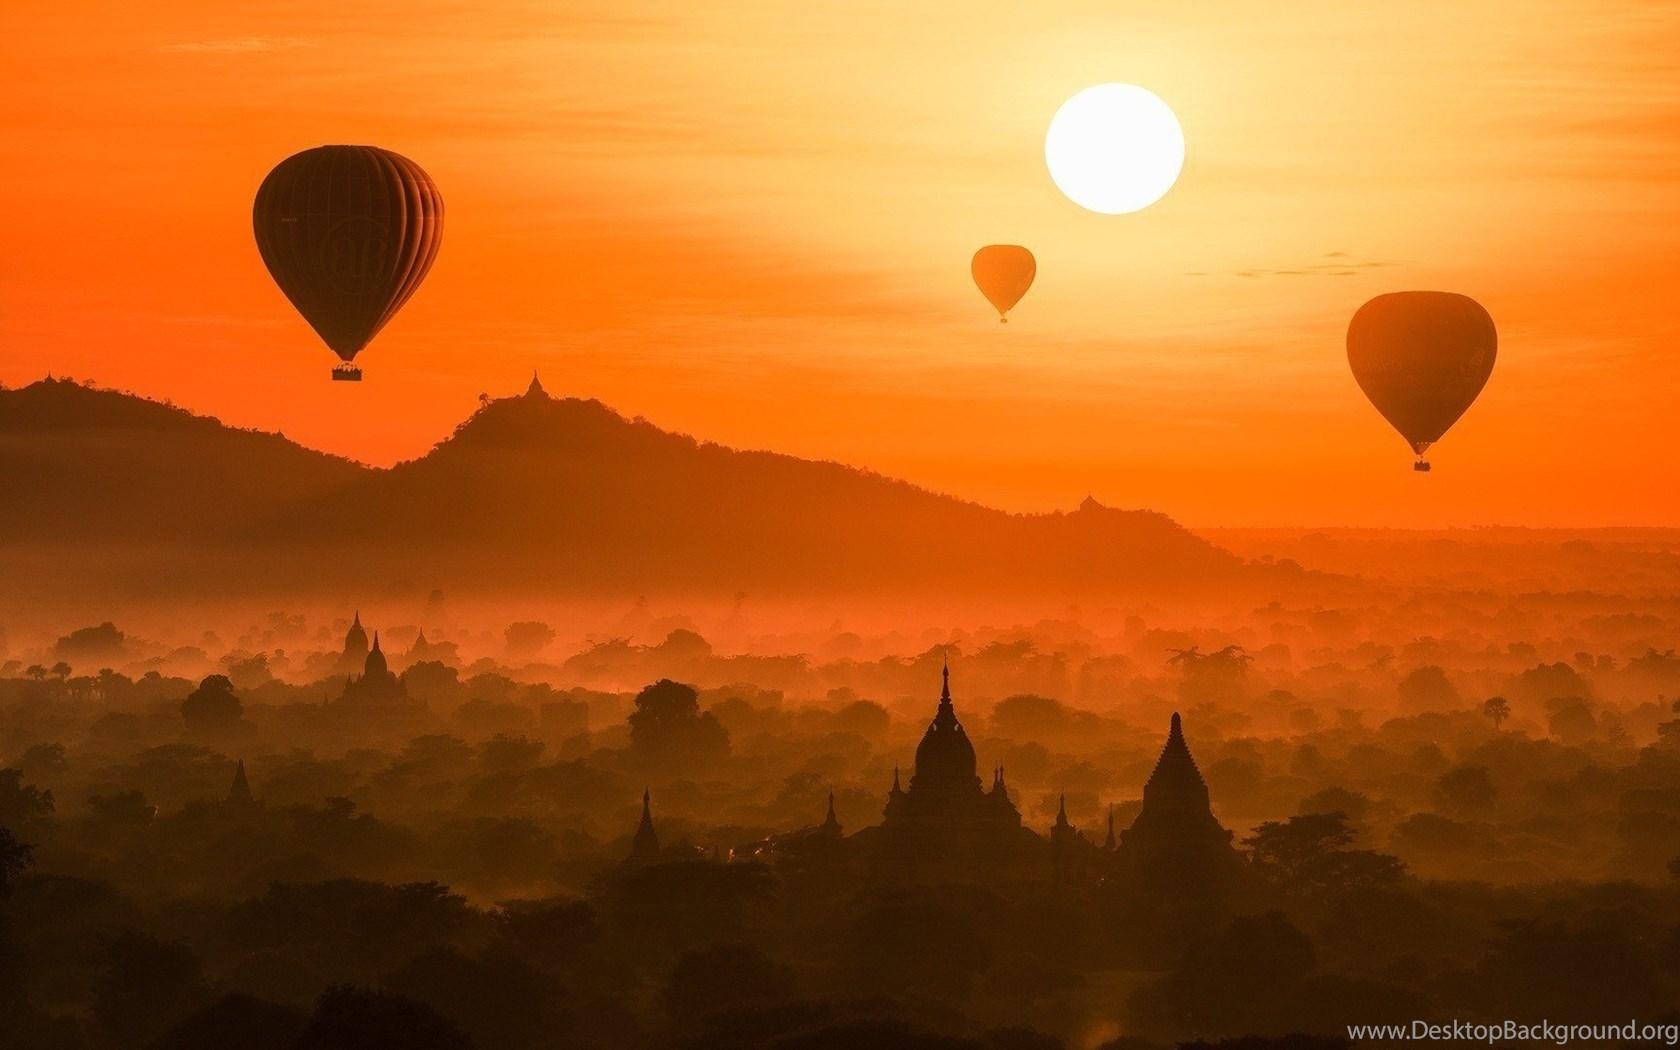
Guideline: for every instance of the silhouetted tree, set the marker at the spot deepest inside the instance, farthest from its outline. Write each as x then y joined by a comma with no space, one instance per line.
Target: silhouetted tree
248,671
922,943
504,753
1540,683
1496,709
1311,855
683,645
558,934
866,718
361,927
431,681
1238,982
1571,971
1467,790
147,986
123,809
22,805
722,978
15,858
61,670
667,726
212,707
1427,688
110,683
528,637
236,1021
1210,677
349,1018
1570,719
680,906
103,642
495,998
1027,716
1351,804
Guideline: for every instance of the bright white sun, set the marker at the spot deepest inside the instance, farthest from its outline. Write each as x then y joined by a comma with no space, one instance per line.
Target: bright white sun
1114,148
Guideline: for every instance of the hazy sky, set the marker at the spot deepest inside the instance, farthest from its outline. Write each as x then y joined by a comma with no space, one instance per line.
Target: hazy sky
753,221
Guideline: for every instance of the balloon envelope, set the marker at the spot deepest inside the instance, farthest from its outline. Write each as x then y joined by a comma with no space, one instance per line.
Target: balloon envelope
1004,272
348,233
1421,357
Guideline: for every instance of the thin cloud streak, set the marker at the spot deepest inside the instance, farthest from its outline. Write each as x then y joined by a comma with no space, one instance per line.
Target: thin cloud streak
242,45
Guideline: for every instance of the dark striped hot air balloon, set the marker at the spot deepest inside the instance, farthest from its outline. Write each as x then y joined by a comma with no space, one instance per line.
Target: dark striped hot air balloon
1003,272
348,233
1421,357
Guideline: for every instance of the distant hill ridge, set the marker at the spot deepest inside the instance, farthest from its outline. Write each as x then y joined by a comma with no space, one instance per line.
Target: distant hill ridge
542,492
86,463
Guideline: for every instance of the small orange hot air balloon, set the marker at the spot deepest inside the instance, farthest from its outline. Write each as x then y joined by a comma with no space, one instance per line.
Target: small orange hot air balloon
348,233
1004,272
1422,357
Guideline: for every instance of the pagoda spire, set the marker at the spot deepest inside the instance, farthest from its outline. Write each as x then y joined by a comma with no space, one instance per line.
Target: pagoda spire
895,788
945,717
1061,813
239,792
831,822
1175,843
645,846
1175,780
536,387
1109,843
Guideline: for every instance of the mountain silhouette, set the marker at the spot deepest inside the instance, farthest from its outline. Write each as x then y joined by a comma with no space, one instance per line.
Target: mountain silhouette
537,491
87,465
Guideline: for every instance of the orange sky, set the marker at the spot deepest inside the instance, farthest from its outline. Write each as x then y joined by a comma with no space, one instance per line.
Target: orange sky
752,222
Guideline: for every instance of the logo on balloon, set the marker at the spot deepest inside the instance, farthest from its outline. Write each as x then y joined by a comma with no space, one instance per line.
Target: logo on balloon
356,256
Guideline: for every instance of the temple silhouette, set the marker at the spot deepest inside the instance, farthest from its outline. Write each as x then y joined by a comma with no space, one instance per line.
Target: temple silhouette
355,654
1176,842
372,692
945,827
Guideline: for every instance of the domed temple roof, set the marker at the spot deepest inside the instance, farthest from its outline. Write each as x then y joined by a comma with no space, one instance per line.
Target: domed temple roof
945,755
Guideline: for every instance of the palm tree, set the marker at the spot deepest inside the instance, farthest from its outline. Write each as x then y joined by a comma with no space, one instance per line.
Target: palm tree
1192,655
1233,654
1496,710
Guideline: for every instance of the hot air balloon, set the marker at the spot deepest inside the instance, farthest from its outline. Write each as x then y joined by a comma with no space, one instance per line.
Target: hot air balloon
1421,357
1004,272
348,233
